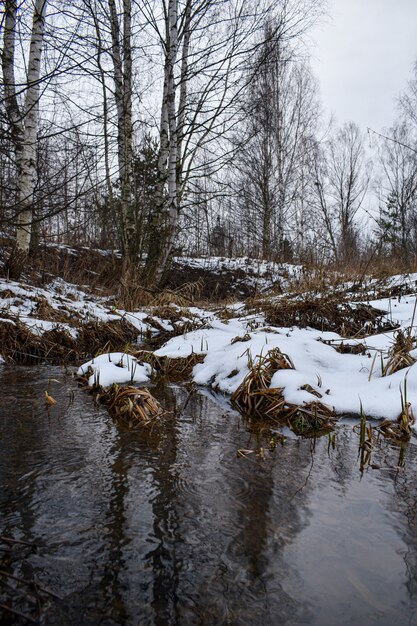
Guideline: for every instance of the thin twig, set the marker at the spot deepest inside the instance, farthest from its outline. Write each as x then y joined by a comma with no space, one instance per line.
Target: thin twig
18,613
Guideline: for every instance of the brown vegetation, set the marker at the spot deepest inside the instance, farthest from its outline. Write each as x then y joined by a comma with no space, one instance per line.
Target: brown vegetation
334,314
20,345
175,369
399,354
133,406
255,398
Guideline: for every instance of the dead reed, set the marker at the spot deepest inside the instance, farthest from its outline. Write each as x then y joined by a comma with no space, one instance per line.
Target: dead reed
20,345
175,369
132,406
311,418
400,429
254,395
255,398
399,353
326,314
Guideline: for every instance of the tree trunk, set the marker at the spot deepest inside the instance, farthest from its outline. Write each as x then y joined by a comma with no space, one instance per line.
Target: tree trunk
122,73
164,223
24,124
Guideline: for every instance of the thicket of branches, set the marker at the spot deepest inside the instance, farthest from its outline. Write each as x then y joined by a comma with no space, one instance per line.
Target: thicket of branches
168,127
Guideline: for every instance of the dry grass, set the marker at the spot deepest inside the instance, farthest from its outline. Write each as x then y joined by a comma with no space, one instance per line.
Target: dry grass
45,311
20,345
400,429
255,398
344,347
180,318
310,418
130,405
244,338
254,395
334,314
98,337
178,369
351,348
399,354
133,295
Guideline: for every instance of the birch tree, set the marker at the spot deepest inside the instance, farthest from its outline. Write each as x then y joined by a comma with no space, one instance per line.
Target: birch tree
281,114
348,184
23,118
341,182
164,217
121,53
207,47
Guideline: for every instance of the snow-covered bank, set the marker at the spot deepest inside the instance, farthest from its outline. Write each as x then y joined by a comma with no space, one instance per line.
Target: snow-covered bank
341,381
254,274
62,322
229,338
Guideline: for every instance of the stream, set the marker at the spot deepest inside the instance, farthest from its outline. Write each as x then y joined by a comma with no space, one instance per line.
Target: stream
174,527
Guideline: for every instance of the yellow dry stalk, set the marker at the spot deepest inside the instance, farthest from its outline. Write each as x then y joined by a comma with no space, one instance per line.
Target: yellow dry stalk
400,429
399,353
310,418
132,405
254,395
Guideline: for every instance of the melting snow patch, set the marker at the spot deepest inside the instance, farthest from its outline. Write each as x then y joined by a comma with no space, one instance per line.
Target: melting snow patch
115,367
343,381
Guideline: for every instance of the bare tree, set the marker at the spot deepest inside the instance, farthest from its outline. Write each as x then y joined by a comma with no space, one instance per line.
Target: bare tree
341,184
122,64
398,213
206,47
281,115
23,119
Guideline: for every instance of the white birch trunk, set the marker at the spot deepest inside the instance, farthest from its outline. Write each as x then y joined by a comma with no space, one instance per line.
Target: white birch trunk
166,210
183,92
118,95
127,187
24,123
31,122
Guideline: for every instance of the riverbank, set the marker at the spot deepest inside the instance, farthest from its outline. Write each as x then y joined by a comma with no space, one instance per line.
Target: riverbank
349,347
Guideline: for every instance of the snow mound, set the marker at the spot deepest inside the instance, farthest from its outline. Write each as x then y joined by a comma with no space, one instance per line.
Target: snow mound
340,380
115,367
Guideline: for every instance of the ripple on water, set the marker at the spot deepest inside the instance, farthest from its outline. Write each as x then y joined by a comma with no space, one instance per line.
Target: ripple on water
175,529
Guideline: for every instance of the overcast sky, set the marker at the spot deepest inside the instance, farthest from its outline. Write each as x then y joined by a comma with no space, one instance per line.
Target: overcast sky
363,57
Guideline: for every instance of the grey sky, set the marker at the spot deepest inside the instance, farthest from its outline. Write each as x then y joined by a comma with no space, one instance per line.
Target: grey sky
363,57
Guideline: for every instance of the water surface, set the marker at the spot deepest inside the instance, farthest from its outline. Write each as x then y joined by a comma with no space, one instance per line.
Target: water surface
176,528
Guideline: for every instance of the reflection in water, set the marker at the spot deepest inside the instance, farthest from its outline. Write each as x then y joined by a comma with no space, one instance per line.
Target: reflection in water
174,528
166,565
114,531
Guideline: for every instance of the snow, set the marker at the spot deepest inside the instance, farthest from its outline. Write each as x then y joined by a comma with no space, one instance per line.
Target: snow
21,302
39,327
256,273
115,367
345,381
